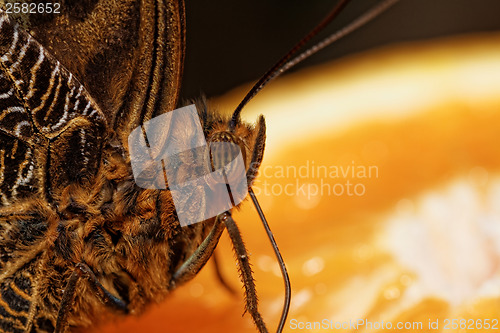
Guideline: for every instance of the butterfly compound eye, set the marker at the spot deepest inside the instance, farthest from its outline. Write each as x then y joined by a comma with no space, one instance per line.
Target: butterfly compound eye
224,148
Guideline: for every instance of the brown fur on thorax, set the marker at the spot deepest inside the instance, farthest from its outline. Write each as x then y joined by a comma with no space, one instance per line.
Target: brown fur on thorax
130,237
125,234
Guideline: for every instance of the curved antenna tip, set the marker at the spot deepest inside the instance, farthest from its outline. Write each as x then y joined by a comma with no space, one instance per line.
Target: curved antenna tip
284,273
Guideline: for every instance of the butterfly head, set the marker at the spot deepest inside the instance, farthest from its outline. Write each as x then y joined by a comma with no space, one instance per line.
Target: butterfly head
249,139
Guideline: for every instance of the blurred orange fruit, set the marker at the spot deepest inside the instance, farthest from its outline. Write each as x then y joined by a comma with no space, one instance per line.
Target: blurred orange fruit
381,183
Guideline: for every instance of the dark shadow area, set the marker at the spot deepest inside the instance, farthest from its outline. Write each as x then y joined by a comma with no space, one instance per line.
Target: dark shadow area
231,42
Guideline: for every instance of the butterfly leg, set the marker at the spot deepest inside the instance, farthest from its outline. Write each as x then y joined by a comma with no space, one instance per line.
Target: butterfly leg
84,271
199,258
245,274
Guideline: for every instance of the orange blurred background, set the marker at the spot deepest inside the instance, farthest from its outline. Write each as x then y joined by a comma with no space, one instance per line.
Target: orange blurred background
381,184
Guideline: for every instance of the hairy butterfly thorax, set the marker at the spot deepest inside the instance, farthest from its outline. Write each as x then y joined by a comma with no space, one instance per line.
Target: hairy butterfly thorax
128,236
79,238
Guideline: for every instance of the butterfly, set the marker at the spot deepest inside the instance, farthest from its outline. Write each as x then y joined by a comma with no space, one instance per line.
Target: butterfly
78,237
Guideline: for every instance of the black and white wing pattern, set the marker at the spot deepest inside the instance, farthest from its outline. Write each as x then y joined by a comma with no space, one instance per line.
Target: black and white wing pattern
44,111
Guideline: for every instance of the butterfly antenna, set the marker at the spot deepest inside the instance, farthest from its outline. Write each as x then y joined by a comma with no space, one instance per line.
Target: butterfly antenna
284,273
285,63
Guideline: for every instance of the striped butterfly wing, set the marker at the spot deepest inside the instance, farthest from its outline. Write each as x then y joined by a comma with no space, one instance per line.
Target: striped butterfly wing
129,57
51,130
51,135
128,54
